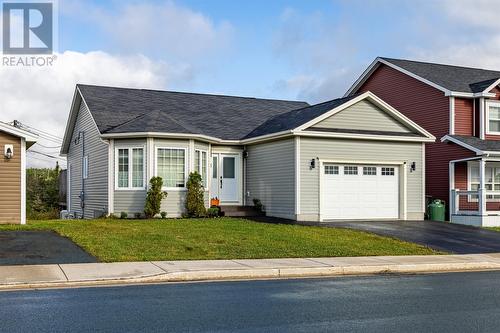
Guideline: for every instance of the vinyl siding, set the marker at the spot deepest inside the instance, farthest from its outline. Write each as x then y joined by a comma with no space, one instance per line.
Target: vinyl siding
362,150
96,185
426,106
10,181
363,115
271,175
464,116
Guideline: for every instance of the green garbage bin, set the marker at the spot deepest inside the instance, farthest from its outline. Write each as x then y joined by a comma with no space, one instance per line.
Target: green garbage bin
436,210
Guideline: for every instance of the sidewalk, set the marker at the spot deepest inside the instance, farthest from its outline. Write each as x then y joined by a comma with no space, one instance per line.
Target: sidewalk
65,275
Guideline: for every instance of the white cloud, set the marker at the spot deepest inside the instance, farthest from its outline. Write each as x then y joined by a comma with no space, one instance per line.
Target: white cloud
155,29
320,52
477,43
41,97
332,53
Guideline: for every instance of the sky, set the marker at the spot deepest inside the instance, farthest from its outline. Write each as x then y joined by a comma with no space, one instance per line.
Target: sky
310,50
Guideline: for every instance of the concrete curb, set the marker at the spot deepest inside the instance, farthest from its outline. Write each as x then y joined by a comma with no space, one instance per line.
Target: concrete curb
75,275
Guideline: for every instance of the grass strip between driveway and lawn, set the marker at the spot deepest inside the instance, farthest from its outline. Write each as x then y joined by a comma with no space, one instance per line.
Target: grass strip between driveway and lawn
113,240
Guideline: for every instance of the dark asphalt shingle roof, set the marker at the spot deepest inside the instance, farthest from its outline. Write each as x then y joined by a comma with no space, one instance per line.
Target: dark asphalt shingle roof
454,78
484,145
295,118
125,110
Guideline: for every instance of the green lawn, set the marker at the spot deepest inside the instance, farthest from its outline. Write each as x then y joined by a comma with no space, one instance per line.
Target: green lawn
225,238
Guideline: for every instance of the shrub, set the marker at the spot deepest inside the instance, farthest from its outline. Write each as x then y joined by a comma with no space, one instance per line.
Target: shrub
45,215
195,206
154,197
163,215
123,215
213,212
42,193
137,215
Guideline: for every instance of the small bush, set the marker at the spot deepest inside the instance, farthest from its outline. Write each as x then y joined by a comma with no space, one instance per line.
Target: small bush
137,215
123,215
195,205
163,215
213,212
154,197
50,214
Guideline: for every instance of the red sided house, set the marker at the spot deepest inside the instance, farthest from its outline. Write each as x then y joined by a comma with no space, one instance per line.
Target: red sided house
461,107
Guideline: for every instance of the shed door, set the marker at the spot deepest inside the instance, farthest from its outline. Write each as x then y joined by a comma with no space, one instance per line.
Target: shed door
360,192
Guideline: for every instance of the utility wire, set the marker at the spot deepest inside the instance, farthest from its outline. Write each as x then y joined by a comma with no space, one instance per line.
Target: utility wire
41,131
48,147
47,155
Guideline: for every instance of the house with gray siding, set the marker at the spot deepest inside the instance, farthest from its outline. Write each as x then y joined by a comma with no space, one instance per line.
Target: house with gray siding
350,158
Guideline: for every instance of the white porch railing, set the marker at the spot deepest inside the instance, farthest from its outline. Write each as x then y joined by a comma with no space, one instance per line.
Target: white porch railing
471,202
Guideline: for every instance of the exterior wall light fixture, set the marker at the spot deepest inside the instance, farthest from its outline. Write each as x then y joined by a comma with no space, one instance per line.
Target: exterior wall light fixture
9,151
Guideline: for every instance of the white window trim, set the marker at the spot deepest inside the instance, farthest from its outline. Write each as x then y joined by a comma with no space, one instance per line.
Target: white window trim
85,167
469,183
201,151
186,167
488,104
130,169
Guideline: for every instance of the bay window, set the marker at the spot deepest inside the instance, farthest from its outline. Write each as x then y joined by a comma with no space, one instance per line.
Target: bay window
200,165
130,168
171,166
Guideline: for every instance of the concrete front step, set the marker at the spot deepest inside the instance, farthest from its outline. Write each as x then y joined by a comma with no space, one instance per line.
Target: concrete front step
241,211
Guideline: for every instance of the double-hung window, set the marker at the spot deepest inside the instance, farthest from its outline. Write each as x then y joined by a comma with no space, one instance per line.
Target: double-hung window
130,168
491,181
200,165
493,109
171,166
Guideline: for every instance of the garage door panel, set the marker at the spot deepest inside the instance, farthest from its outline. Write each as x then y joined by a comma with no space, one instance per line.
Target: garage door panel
372,193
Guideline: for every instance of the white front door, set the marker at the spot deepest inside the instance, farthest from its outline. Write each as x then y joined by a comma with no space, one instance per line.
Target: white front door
225,177
360,191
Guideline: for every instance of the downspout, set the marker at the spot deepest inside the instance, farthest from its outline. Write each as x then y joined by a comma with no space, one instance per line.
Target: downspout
82,192
245,155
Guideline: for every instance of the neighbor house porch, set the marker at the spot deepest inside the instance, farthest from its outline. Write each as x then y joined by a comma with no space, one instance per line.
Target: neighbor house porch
475,191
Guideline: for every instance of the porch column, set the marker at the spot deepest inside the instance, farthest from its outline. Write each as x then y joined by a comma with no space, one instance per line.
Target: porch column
453,206
482,190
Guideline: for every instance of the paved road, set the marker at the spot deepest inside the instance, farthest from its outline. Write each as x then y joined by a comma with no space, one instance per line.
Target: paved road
39,247
458,302
437,235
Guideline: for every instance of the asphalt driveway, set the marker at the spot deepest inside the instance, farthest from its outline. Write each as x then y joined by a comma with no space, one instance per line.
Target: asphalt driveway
437,235
39,247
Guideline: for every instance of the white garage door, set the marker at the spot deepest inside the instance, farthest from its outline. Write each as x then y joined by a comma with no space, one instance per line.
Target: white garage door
360,192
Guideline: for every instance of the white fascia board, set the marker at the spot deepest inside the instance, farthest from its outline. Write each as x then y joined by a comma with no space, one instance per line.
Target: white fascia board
27,136
201,137
469,95
364,76
364,136
496,83
374,65
378,61
70,124
463,144
267,137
